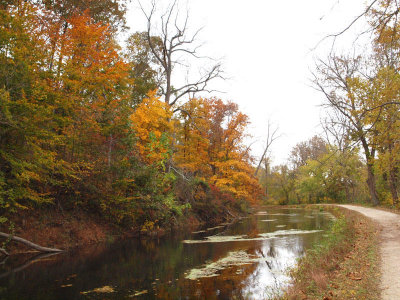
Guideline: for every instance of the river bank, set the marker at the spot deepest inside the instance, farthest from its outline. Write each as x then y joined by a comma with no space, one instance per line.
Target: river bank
76,228
345,265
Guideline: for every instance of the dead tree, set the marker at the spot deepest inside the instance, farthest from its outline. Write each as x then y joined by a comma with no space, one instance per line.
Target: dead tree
272,135
267,166
26,243
178,47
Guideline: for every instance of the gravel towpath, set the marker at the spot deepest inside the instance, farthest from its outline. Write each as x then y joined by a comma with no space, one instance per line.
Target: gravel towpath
390,248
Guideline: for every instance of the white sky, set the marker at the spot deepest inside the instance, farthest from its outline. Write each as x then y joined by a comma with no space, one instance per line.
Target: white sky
266,46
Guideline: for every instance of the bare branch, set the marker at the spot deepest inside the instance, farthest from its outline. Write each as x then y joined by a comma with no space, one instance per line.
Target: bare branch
175,40
335,35
272,135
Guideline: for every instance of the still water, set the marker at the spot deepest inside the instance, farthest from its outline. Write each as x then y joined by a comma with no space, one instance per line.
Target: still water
243,260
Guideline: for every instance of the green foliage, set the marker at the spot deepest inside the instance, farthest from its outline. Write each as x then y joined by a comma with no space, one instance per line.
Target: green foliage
333,175
157,145
29,133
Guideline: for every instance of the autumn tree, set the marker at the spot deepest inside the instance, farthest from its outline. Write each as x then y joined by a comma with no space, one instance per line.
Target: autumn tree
153,128
192,144
212,140
304,151
348,90
385,107
110,12
83,125
380,14
334,176
282,182
30,136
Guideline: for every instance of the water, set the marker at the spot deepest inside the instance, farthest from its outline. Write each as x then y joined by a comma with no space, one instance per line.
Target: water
243,260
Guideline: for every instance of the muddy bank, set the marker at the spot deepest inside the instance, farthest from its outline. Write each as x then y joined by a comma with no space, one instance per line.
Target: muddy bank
71,229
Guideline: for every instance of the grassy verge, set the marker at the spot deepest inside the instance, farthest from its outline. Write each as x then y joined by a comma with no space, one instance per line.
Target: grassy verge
344,265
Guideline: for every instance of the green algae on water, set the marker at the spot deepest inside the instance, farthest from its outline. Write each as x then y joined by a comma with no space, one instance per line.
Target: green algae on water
244,238
235,258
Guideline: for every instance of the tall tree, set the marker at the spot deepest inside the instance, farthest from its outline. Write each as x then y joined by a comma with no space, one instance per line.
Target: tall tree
153,127
349,92
178,47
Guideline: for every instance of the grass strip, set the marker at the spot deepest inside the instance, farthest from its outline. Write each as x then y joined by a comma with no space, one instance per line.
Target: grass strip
344,265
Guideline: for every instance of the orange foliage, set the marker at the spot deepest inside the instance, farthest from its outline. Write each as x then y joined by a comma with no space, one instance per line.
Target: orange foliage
93,77
210,145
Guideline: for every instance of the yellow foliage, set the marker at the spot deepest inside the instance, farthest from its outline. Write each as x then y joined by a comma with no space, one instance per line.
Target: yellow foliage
192,148
152,124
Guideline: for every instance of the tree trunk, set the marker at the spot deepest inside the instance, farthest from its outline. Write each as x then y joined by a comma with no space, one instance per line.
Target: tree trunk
392,175
346,189
372,185
109,151
393,187
287,197
369,156
4,252
28,243
266,164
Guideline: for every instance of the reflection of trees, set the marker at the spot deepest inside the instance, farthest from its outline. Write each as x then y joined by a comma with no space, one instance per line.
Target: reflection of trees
269,277
26,264
271,251
134,265
131,265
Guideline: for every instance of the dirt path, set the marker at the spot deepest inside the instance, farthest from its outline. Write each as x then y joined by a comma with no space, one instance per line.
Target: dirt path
390,249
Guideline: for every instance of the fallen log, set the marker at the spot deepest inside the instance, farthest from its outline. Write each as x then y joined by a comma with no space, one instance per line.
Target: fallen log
27,243
4,252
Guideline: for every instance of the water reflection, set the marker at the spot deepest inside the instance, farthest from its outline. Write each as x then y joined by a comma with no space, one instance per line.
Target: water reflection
159,269
270,278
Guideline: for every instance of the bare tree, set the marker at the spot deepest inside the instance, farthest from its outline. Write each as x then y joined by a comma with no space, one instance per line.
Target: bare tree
312,149
178,46
272,135
352,111
267,173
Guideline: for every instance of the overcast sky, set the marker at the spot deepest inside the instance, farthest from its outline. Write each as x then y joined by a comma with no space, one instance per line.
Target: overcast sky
266,50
